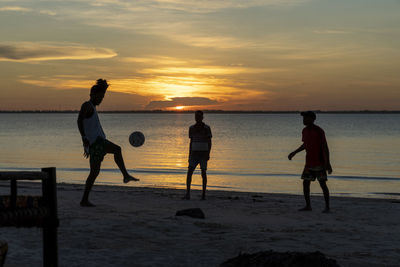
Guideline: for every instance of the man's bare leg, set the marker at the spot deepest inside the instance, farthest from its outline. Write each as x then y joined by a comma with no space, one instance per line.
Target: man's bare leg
188,182
204,176
94,172
116,150
326,196
306,191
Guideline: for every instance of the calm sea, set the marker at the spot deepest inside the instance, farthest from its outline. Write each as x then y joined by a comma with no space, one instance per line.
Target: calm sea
249,150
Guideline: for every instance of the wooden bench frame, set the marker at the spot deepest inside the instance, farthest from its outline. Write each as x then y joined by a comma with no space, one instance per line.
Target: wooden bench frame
49,195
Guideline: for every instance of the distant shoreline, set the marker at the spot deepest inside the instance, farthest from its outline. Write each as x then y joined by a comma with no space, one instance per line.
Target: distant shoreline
209,111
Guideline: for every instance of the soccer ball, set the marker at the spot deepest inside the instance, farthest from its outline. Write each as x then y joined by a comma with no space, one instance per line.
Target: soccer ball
136,139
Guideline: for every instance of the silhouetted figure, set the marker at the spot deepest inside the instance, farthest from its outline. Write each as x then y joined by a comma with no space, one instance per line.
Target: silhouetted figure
96,146
199,152
317,158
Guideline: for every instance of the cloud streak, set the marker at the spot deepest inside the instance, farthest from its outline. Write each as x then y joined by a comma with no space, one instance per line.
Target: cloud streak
329,31
208,70
206,6
29,51
194,6
14,8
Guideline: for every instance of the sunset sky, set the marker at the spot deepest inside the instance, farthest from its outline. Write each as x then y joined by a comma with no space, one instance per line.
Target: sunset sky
209,54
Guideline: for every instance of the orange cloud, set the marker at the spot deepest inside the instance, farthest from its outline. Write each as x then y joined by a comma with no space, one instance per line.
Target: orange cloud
209,70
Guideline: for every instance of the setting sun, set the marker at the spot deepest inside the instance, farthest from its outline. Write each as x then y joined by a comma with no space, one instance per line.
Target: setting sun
179,107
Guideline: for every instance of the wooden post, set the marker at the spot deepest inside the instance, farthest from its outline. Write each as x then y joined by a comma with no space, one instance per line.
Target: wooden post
50,244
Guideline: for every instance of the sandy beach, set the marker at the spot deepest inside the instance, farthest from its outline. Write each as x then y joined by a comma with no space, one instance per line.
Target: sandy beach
138,227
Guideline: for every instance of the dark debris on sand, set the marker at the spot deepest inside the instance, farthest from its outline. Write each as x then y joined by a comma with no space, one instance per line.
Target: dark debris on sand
194,213
280,259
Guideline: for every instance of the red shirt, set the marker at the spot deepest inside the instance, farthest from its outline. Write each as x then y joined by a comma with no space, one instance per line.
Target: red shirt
314,139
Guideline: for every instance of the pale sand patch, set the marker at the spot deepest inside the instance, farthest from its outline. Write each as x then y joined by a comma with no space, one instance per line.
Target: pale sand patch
138,227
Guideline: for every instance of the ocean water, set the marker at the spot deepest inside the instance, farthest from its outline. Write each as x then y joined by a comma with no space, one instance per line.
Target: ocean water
249,151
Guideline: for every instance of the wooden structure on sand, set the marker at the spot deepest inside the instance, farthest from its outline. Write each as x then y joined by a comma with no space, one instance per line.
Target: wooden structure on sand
33,211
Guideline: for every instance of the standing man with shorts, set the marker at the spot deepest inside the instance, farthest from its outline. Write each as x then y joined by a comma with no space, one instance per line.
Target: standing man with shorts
95,144
317,159
199,151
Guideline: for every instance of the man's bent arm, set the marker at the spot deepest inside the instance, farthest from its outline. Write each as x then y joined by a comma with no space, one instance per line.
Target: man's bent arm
82,115
80,124
301,148
291,155
327,161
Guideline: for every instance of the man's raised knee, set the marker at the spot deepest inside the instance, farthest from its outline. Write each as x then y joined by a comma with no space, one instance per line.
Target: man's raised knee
117,150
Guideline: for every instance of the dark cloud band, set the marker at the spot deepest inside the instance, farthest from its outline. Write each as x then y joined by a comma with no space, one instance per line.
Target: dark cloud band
181,101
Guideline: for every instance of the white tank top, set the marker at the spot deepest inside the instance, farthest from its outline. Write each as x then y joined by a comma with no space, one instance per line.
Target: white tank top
93,127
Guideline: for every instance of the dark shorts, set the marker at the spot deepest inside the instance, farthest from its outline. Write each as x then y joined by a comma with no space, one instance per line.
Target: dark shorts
311,174
97,150
198,158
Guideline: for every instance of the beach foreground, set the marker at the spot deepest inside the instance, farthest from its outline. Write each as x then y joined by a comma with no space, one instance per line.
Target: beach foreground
138,227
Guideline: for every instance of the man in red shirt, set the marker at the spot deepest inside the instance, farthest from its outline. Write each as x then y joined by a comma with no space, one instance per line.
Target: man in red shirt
317,158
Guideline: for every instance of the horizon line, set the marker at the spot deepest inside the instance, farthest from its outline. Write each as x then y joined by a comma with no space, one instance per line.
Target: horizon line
212,111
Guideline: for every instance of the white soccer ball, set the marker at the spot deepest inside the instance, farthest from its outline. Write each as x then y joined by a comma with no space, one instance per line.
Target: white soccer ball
136,139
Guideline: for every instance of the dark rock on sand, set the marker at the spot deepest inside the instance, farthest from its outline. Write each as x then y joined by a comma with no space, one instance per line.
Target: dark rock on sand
280,259
194,213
